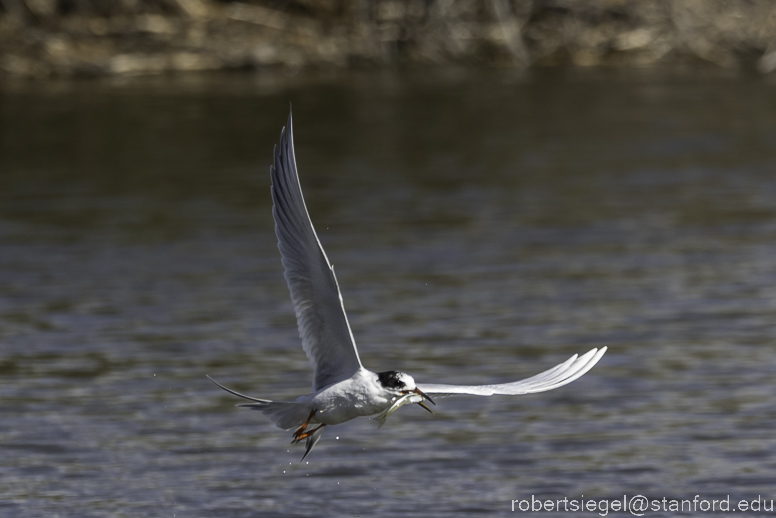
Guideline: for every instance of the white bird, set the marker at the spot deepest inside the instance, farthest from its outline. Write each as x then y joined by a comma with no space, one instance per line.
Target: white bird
342,388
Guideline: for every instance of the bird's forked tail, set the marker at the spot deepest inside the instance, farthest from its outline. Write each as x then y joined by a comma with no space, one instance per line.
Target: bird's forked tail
285,414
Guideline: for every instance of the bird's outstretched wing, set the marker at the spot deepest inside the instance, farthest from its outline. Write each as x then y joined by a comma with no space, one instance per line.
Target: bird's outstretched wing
558,376
320,315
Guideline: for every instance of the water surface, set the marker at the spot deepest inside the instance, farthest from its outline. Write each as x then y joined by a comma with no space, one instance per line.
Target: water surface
484,226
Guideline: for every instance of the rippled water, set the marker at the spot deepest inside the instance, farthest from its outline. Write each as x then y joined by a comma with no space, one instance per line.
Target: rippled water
484,227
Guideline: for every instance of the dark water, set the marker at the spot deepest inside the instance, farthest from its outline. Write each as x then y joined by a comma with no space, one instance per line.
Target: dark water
484,227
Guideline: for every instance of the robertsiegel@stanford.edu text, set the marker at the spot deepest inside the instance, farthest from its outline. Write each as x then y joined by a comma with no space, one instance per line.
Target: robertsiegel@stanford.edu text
640,505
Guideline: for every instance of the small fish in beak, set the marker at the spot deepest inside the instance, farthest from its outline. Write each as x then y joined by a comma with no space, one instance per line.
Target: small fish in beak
424,396
408,397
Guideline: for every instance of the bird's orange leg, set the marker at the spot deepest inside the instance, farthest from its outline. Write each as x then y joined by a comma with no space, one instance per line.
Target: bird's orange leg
299,431
308,433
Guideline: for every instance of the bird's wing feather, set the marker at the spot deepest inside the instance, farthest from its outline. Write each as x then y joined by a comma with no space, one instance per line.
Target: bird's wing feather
558,376
320,315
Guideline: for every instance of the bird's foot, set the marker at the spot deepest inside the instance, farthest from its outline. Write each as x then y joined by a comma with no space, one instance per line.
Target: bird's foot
305,435
300,431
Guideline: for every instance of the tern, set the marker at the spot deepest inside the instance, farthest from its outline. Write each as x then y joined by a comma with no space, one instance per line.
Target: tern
342,388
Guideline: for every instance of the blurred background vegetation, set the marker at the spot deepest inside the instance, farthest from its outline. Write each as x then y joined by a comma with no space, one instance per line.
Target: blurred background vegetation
44,38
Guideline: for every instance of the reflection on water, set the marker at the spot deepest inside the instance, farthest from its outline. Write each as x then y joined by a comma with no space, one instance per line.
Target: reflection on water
484,227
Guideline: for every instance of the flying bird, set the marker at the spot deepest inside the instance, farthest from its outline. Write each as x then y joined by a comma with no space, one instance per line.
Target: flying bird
342,388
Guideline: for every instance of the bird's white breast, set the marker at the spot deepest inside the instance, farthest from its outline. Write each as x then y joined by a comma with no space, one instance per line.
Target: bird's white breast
357,396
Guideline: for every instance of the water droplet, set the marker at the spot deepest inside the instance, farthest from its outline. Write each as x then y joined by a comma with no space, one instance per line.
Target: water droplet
338,437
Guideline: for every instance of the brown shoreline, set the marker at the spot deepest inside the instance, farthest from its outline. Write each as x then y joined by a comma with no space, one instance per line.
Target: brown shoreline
48,38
